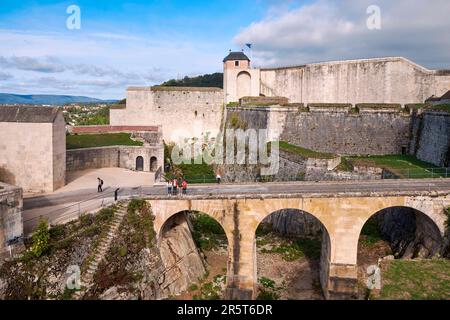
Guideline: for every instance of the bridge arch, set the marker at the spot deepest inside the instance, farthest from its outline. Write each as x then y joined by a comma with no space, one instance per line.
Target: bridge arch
400,225
306,231
173,215
191,242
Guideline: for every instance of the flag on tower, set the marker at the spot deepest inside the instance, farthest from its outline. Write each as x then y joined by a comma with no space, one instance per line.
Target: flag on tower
249,45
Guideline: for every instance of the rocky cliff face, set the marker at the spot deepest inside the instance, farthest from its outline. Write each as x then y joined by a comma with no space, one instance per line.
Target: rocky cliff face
182,263
411,234
292,222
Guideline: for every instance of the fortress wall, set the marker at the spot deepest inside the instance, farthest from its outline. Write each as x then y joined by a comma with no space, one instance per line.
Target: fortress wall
182,112
387,80
442,83
338,132
432,141
349,134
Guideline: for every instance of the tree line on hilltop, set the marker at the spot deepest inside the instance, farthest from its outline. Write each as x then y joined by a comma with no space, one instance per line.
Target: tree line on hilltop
207,80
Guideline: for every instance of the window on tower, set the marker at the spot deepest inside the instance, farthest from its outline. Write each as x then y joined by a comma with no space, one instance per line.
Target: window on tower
236,63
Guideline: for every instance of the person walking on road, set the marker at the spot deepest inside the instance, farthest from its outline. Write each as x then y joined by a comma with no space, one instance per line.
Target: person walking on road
184,186
100,185
218,178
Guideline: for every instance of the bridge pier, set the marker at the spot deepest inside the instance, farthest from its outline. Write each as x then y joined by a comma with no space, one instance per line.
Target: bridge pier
342,282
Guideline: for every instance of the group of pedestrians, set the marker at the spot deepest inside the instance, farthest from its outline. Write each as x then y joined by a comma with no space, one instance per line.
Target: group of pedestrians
174,186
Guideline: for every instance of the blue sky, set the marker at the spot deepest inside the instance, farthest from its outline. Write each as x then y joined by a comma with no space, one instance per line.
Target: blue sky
123,43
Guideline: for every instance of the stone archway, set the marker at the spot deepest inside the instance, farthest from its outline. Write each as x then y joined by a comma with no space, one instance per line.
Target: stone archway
400,232
244,84
297,258
139,163
411,232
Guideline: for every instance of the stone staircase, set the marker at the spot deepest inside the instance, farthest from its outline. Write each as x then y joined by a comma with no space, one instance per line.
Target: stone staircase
102,249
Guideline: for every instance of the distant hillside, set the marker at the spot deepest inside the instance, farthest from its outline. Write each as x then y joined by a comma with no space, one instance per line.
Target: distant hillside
9,98
207,80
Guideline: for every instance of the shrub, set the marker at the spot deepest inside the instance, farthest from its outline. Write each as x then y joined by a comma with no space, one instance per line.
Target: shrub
40,239
104,215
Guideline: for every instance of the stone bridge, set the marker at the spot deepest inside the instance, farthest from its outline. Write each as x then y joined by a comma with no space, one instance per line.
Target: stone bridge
342,214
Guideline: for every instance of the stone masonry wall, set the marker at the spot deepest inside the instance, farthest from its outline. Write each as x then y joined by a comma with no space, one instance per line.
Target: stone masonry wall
182,112
113,157
431,138
11,224
340,132
349,134
32,155
385,80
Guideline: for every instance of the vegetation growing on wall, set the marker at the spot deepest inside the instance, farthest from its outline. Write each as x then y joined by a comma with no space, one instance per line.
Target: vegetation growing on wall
306,153
440,107
100,140
236,122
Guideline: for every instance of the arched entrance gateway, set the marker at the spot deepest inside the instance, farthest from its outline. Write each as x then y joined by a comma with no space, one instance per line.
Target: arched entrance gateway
244,82
139,163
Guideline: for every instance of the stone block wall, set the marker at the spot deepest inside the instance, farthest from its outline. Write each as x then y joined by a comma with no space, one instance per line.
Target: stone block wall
339,132
182,112
349,134
11,223
431,137
115,157
32,155
384,80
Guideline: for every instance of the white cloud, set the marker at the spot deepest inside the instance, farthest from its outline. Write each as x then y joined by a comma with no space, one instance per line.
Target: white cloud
334,30
100,64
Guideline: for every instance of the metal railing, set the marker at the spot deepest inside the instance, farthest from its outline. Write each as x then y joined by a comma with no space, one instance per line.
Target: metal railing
411,173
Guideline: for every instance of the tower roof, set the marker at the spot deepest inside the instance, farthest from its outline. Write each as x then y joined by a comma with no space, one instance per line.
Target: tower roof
236,55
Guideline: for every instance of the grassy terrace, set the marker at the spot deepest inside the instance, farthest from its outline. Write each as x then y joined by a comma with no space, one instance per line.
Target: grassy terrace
404,166
100,140
416,280
198,173
287,147
442,107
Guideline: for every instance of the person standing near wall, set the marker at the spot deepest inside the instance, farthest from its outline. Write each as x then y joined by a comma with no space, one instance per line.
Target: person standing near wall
184,186
218,178
169,187
175,186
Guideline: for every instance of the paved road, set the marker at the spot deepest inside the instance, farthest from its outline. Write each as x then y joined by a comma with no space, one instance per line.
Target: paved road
64,207
248,189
